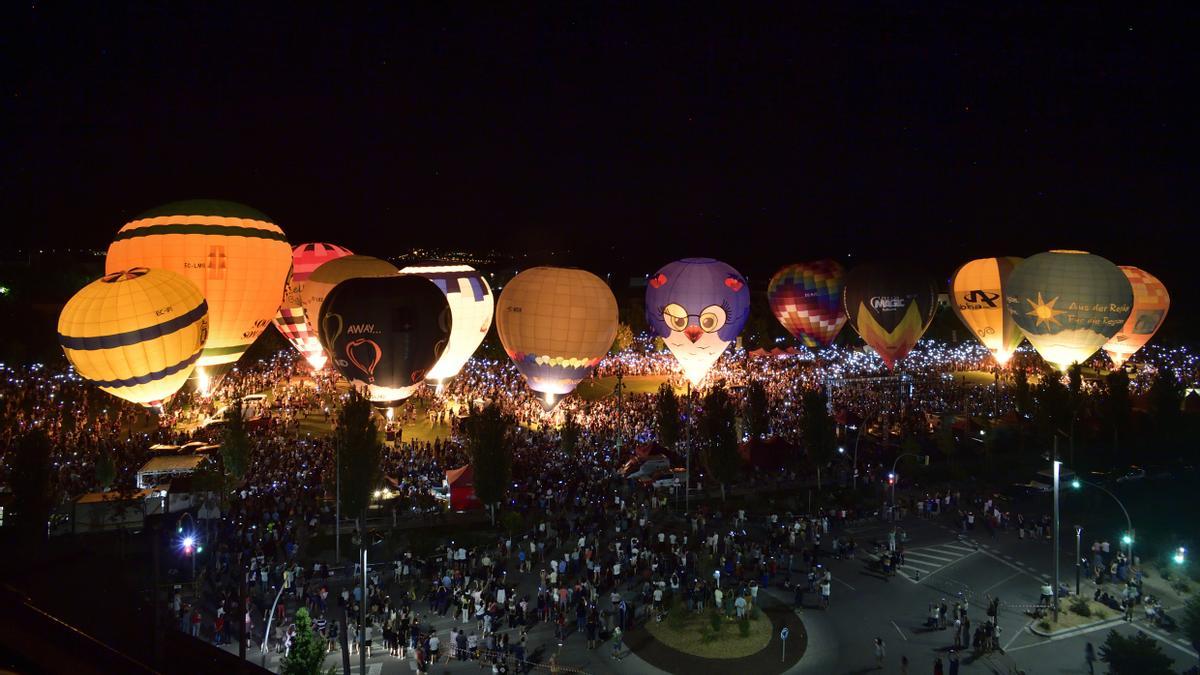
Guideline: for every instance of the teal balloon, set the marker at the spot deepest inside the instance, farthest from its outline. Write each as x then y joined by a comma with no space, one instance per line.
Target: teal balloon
1068,303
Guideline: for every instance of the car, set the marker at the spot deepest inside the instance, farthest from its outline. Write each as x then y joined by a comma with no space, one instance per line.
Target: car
671,479
441,493
652,465
1131,474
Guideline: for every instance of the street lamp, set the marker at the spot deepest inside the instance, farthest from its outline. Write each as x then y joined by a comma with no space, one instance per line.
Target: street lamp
1180,555
1078,556
1057,471
1127,538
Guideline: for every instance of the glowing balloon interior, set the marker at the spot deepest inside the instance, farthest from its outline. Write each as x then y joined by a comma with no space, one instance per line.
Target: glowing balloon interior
385,333
1150,304
556,324
890,308
698,306
137,334
806,298
977,296
292,321
235,255
1068,303
471,303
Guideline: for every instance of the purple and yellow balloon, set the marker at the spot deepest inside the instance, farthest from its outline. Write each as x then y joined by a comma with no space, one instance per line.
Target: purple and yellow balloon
698,306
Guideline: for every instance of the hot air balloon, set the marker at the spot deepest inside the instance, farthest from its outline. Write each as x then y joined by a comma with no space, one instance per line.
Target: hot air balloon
135,333
807,300
1068,303
471,304
556,324
977,292
890,307
235,255
322,280
697,306
292,322
385,333
1150,305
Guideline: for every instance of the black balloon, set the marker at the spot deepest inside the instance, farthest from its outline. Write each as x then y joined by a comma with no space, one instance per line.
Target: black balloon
385,333
890,307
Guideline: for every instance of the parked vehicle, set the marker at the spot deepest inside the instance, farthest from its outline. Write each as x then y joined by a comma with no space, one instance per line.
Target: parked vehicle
1131,474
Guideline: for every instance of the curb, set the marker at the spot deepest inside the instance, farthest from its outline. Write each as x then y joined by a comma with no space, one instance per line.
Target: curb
1071,631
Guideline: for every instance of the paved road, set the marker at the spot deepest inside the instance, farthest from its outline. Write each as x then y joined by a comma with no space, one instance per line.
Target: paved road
939,564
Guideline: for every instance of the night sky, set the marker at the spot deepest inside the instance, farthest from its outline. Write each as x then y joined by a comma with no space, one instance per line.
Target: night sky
639,136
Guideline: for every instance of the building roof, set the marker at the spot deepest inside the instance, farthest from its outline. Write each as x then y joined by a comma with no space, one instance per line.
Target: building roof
171,463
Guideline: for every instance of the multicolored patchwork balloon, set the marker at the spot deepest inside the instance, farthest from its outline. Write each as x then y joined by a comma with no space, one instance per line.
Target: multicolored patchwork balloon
698,306
1150,304
1068,303
807,300
291,319
890,307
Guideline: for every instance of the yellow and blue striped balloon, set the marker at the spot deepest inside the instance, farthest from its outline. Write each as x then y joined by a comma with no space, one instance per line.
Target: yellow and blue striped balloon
135,333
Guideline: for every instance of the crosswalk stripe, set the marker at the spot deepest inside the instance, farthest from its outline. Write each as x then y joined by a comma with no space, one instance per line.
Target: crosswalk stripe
929,556
965,549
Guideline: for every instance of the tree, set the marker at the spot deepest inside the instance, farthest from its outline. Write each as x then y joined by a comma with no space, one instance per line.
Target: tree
816,426
357,436
623,339
1021,391
308,649
1137,655
568,434
668,416
235,444
1191,621
1166,402
106,471
30,481
718,438
1053,404
486,434
946,443
1116,404
758,418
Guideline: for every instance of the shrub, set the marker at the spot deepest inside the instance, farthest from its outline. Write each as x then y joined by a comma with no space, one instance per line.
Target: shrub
1081,607
714,619
754,613
1044,624
1181,586
744,627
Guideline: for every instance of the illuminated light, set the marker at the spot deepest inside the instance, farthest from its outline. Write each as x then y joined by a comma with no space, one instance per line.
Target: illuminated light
1075,483
1180,555
391,413
1126,539
203,382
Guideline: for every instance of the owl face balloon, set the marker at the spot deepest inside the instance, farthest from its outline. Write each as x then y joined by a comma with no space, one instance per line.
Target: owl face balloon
698,306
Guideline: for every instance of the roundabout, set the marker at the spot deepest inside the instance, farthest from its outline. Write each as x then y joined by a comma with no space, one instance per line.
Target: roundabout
679,644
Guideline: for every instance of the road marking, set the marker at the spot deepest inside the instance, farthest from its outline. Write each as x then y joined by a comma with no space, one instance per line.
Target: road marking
845,584
1002,561
1167,640
1004,580
1016,635
900,632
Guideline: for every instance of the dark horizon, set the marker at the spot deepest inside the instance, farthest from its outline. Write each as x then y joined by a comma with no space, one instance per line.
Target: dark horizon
638,137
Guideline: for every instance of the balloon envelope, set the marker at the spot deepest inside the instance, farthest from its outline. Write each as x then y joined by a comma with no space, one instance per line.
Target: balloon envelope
1068,303
890,307
698,306
136,333
385,333
322,280
234,254
1150,304
291,319
556,324
471,304
977,292
806,298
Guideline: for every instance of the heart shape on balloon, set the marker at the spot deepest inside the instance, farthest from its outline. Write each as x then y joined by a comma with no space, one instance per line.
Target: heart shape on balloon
368,348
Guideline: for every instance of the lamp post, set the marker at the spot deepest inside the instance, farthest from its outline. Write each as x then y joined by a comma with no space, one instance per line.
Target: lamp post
854,471
1127,538
1078,558
893,478
1057,468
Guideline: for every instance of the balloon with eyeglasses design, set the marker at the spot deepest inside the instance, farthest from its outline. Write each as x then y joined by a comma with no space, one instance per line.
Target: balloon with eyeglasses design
698,306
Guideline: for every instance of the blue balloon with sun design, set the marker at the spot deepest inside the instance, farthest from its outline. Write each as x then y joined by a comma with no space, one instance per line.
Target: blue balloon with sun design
1068,303
698,306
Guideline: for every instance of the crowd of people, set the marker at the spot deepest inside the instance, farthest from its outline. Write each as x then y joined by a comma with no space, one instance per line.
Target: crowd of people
587,553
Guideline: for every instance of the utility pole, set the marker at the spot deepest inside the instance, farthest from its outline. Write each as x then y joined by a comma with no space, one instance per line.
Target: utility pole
687,444
1078,534
1057,468
362,614
337,525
